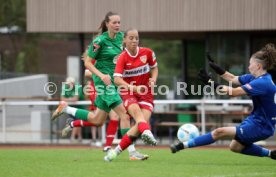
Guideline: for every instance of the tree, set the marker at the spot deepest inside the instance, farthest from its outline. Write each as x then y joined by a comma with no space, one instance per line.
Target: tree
24,54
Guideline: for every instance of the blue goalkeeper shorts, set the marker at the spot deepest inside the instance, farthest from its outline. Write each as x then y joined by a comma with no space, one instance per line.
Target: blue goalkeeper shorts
250,131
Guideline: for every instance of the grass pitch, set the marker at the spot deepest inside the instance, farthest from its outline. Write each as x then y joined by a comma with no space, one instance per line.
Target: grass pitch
89,163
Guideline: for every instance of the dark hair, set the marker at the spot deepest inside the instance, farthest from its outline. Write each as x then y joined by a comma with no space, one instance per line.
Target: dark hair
103,27
267,55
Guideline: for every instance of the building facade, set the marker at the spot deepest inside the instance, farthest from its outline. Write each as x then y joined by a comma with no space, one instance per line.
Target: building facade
231,30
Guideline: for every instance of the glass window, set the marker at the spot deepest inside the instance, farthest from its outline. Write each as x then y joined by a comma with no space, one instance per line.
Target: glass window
231,51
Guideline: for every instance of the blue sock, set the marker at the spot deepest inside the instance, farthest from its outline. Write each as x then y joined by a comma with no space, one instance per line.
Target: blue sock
200,141
255,150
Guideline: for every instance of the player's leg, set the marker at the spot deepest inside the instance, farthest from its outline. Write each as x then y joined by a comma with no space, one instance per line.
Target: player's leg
128,138
147,111
125,142
132,134
245,137
134,154
115,103
209,138
135,111
93,135
71,123
113,100
250,149
76,134
110,134
143,126
140,126
96,119
82,115
111,130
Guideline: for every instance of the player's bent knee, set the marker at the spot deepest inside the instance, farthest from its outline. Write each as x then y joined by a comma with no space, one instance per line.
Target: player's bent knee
235,148
99,123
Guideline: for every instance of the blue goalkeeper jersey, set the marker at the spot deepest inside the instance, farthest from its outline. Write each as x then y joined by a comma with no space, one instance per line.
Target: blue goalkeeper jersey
263,92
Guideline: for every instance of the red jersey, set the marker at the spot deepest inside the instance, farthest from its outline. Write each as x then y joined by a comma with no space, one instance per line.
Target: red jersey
136,69
92,91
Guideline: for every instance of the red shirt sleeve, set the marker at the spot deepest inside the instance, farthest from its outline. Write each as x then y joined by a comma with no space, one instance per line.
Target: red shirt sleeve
152,59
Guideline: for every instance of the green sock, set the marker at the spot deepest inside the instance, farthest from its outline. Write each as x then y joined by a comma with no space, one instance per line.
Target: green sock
124,131
82,114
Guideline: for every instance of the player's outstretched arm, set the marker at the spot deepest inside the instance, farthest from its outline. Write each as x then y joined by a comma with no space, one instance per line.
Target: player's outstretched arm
222,72
231,91
206,78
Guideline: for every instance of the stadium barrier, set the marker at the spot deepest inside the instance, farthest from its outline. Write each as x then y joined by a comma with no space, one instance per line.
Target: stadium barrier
42,129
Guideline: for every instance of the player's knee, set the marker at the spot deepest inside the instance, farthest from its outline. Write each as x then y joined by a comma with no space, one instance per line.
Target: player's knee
114,117
124,117
234,148
99,123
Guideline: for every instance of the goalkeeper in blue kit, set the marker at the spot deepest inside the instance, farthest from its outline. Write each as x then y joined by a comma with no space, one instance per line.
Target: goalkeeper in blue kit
260,124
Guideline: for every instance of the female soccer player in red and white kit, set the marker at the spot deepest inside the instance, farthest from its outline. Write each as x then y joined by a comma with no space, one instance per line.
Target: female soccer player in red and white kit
112,127
136,73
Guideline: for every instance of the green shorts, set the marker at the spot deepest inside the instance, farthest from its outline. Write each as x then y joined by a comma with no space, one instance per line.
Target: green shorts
107,97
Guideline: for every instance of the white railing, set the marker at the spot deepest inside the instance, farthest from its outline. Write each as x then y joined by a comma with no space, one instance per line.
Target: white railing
201,104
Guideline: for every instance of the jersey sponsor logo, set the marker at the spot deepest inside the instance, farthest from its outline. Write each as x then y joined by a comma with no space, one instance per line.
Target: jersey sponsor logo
143,59
137,71
241,131
96,47
115,59
109,47
128,64
248,86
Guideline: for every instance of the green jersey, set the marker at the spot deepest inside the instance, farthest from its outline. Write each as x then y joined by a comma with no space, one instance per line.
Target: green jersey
106,51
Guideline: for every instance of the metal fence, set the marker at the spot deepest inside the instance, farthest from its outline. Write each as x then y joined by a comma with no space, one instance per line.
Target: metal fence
34,125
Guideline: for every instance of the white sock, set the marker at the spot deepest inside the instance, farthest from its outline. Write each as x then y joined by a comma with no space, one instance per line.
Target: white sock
72,124
131,148
70,110
186,144
118,150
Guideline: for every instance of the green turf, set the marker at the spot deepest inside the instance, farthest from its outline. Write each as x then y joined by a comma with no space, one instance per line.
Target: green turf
89,163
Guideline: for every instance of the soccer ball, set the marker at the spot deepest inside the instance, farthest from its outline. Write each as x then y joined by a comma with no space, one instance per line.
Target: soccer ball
187,132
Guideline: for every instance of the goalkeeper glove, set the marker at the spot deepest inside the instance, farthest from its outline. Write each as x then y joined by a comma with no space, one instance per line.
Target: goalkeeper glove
206,78
219,70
